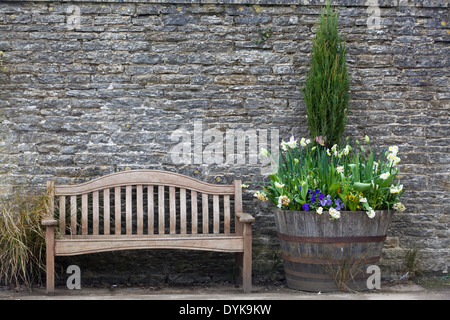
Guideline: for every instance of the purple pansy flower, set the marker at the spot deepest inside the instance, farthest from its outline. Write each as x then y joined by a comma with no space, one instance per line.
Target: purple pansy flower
339,204
325,201
305,207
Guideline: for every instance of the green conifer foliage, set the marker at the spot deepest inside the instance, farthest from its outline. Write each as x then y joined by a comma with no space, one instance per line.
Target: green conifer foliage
326,91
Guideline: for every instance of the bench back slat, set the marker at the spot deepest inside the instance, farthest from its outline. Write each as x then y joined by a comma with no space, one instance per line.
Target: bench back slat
172,209
143,177
128,208
106,211
150,210
73,214
183,211
140,209
227,213
84,214
205,213
194,211
238,204
62,212
117,211
161,210
216,213
95,213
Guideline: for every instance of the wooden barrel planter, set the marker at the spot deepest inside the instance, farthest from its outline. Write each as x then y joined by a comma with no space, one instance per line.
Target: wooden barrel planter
320,254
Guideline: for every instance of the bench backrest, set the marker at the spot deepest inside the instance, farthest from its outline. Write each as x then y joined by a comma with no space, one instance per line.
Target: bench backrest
146,202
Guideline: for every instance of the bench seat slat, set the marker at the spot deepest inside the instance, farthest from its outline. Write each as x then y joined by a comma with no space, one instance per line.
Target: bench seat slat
125,237
101,244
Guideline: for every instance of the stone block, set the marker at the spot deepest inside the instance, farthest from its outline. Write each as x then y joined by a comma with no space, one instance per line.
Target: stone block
179,19
146,58
235,79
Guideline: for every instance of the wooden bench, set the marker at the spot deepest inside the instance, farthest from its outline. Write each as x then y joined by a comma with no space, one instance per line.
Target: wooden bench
148,209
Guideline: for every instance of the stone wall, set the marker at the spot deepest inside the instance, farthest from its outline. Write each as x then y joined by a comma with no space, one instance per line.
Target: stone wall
92,87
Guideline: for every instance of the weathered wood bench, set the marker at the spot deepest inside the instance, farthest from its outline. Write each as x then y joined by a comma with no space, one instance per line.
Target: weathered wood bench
148,209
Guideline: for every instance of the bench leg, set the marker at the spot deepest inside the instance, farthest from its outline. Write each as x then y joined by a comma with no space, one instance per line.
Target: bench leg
244,261
50,259
247,259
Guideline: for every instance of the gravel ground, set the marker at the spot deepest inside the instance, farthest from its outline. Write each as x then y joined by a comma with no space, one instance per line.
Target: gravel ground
389,291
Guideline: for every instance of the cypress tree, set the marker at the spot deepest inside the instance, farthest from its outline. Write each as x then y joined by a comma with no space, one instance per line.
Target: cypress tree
326,91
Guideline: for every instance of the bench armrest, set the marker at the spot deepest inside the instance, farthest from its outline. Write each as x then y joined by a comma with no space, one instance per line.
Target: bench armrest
49,222
245,217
